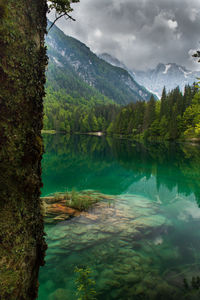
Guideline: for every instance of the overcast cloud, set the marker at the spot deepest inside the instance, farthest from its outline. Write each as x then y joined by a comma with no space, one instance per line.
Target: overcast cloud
140,33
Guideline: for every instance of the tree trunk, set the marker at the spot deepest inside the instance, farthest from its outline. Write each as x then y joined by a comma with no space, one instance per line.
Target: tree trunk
22,78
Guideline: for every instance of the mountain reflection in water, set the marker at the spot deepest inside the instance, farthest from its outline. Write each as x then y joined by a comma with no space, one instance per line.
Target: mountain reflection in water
144,244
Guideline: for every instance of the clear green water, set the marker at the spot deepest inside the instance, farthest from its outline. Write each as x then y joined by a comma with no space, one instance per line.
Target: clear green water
144,243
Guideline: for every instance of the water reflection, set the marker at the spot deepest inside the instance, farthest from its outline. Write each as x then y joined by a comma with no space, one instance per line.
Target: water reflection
144,245
112,165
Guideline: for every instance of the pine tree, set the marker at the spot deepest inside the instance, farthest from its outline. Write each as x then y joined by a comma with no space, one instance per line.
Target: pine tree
163,103
150,113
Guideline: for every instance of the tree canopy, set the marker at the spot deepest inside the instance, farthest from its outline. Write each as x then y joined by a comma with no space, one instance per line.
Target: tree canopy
197,55
62,9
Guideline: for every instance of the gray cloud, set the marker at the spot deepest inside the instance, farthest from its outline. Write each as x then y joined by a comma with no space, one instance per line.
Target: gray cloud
141,33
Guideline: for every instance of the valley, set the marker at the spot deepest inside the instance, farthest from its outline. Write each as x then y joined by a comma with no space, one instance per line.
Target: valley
87,94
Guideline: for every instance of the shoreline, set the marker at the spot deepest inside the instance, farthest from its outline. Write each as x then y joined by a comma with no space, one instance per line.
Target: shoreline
192,141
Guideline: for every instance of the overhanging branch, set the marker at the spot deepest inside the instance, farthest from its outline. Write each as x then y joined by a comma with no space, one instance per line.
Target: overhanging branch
62,15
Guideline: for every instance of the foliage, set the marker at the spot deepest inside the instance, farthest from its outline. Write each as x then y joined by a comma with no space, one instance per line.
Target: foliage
71,104
76,114
81,73
61,6
194,284
82,92
175,116
197,55
62,9
85,284
191,118
81,200
192,288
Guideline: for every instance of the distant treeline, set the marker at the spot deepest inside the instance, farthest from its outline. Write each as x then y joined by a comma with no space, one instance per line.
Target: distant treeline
67,113
175,116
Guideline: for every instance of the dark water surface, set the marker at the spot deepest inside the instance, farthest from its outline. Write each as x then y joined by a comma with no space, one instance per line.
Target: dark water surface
144,243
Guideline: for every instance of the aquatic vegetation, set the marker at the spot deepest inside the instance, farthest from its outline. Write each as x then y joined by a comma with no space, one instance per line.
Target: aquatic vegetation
58,196
143,245
192,288
82,200
62,206
85,284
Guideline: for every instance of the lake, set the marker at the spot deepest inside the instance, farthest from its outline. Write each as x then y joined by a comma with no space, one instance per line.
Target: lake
142,244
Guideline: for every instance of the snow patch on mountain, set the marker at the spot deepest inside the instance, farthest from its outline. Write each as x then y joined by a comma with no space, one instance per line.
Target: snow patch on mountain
167,67
169,75
186,74
115,62
57,62
89,70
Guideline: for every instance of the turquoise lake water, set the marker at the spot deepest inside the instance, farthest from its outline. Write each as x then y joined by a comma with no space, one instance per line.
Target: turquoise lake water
145,242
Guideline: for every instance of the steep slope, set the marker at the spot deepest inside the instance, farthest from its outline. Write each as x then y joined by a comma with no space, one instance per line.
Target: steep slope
169,75
76,69
112,60
117,63
61,76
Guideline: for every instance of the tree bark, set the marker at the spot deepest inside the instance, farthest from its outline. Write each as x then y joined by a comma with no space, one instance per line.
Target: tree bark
22,78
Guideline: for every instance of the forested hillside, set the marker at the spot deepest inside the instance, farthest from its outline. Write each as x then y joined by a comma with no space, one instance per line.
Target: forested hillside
175,116
86,74
83,92
68,114
169,75
86,94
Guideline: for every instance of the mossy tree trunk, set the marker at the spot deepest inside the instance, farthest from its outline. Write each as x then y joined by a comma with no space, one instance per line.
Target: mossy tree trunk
22,78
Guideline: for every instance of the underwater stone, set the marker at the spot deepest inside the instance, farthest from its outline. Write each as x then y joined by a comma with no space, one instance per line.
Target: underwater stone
140,289
150,221
115,294
131,278
49,285
60,294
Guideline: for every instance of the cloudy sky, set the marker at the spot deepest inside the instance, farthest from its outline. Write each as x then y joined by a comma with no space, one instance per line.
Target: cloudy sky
140,33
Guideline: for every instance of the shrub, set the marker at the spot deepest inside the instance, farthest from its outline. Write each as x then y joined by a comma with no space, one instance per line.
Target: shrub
85,284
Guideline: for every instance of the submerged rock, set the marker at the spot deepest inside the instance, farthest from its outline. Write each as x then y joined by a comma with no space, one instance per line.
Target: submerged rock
60,294
63,206
49,285
121,242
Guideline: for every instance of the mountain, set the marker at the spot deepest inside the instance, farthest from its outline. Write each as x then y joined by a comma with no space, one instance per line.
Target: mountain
78,71
115,62
169,75
112,60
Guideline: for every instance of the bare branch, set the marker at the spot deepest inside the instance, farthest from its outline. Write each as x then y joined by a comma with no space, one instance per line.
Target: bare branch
57,18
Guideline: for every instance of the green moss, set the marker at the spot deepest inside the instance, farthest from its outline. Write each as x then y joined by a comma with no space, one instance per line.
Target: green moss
22,77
